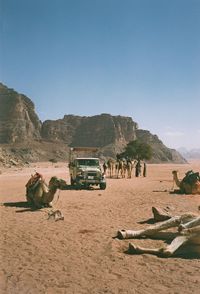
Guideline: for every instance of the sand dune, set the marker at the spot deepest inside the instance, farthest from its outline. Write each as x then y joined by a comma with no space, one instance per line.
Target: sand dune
79,254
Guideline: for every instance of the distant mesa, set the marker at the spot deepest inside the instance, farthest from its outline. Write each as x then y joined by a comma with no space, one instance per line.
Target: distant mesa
23,135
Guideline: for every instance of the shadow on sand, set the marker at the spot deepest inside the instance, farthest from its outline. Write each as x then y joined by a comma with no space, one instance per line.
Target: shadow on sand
149,221
20,204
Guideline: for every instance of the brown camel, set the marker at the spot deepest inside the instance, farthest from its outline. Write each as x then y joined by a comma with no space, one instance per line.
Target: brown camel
188,234
39,194
186,186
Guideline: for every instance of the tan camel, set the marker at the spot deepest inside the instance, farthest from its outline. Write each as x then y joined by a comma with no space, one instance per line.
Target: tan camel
39,194
120,168
129,168
192,187
111,167
188,234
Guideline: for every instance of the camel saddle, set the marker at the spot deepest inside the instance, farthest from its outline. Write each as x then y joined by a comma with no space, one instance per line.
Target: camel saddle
33,181
191,177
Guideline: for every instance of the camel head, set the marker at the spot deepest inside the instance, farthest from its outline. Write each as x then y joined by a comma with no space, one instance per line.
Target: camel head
174,172
175,178
175,175
57,183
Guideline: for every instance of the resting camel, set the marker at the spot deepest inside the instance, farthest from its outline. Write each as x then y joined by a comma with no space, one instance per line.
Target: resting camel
188,233
186,187
39,194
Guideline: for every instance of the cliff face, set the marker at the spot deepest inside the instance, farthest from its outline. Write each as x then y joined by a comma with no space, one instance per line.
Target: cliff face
18,120
61,130
29,139
99,130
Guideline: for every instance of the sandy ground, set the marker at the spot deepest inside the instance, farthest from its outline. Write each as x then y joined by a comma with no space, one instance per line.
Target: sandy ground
79,254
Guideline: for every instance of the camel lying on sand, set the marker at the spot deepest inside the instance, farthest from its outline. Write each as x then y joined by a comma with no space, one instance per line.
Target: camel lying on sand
190,186
39,194
188,233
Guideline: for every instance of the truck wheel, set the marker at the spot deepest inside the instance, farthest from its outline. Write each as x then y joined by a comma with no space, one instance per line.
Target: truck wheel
102,186
72,182
86,186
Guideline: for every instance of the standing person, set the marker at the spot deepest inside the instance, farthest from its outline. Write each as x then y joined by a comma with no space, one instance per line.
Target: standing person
138,169
105,167
145,170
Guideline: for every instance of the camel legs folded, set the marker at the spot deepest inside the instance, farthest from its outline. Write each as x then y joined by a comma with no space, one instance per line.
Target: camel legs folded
163,251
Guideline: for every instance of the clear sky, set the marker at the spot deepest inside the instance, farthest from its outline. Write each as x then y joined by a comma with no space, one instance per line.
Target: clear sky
138,58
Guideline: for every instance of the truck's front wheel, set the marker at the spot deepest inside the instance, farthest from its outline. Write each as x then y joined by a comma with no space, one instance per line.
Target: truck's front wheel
72,182
102,186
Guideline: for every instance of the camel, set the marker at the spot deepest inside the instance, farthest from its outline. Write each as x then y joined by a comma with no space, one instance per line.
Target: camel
129,168
39,194
120,168
190,183
111,167
188,233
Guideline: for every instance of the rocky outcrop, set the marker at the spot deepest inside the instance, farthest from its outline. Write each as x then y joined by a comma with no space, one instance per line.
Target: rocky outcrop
18,120
61,130
28,139
99,130
160,152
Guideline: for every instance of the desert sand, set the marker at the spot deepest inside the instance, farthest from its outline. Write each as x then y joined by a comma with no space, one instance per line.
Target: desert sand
79,254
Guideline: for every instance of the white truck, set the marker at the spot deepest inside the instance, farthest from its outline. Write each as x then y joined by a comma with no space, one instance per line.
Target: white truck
85,169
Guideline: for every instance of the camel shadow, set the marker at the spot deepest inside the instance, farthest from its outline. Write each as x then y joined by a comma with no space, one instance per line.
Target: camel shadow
78,188
149,221
20,204
177,191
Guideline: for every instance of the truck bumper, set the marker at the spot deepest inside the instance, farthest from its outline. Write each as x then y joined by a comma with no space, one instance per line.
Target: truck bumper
90,182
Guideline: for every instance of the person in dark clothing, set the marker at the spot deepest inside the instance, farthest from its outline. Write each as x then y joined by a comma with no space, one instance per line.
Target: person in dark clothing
145,170
105,166
138,169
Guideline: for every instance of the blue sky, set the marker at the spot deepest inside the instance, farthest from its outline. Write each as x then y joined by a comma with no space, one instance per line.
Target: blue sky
138,58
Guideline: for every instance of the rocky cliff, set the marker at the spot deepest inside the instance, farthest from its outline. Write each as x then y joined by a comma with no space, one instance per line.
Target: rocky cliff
99,130
18,120
22,133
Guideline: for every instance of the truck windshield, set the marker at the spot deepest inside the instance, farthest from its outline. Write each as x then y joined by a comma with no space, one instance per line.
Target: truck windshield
88,162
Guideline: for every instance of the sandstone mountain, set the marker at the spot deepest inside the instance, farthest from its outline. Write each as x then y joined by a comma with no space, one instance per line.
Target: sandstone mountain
18,120
24,138
104,131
